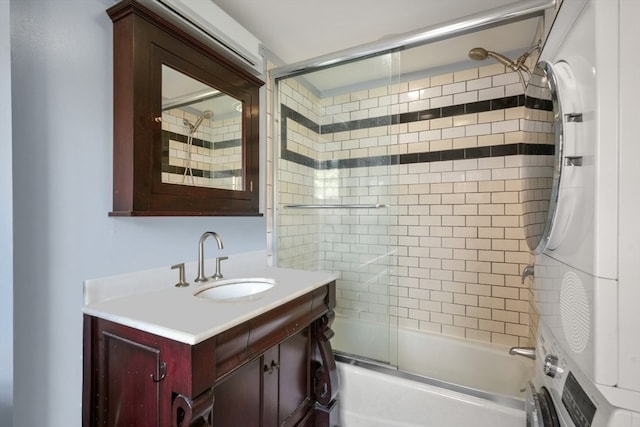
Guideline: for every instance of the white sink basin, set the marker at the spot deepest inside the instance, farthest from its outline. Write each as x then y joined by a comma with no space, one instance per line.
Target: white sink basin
231,289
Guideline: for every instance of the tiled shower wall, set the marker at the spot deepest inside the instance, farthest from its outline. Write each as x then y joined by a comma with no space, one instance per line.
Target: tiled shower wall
452,158
215,152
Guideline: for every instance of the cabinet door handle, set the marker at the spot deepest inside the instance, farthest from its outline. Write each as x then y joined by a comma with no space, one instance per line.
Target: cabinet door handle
163,373
270,368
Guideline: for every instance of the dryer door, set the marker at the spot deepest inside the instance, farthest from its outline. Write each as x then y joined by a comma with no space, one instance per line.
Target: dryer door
540,409
545,211
543,118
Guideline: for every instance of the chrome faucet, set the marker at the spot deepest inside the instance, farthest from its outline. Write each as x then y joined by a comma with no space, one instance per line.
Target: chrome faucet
529,352
201,277
528,271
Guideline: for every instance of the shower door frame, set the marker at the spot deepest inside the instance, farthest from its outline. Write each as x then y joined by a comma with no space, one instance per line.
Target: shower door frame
492,18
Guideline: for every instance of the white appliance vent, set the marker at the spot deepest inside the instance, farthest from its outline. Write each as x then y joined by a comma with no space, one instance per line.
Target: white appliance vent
574,312
211,21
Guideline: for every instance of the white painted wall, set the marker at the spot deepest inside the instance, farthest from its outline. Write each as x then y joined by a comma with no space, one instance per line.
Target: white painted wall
61,68
6,222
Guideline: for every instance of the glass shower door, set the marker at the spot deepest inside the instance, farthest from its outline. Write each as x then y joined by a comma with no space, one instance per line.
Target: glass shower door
334,210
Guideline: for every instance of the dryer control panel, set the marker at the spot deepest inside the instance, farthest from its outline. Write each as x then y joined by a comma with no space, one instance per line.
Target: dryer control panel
577,401
580,408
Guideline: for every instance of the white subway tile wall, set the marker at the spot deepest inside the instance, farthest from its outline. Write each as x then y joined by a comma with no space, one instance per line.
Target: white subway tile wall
446,253
222,163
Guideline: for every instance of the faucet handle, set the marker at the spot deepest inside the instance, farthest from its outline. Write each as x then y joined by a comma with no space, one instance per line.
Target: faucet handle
218,273
527,271
181,281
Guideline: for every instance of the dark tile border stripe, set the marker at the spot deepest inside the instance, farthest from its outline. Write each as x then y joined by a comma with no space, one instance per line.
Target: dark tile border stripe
424,157
538,103
230,143
201,173
394,119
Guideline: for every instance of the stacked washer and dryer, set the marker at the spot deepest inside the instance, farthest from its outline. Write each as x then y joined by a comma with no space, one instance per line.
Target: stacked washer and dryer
587,264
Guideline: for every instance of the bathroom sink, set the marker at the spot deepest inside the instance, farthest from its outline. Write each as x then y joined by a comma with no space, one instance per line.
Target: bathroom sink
232,289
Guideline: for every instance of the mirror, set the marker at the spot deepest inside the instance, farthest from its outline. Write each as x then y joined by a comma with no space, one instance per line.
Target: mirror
186,119
543,115
201,134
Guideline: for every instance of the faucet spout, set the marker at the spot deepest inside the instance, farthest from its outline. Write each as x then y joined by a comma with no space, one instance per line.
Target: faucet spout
201,276
529,352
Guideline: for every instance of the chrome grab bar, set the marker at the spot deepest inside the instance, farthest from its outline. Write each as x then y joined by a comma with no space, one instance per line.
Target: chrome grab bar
372,206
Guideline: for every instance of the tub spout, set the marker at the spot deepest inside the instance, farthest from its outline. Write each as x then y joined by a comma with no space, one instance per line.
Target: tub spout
529,352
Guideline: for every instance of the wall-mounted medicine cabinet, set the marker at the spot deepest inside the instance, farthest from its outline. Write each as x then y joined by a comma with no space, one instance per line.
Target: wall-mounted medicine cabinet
186,119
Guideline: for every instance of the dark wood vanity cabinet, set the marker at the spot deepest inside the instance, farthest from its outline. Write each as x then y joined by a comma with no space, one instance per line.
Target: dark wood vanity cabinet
274,370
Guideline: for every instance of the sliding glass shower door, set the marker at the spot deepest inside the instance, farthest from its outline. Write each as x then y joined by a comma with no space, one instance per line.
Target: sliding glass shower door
404,173
335,207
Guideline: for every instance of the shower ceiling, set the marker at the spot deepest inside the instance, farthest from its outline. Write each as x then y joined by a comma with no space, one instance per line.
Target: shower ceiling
298,30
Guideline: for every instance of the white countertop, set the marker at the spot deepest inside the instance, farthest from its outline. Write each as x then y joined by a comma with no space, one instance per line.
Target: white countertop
149,301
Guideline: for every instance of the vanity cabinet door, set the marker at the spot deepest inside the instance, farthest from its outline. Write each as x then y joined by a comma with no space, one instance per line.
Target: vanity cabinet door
294,377
124,377
132,396
237,398
270,372
273,390
286,382
133,378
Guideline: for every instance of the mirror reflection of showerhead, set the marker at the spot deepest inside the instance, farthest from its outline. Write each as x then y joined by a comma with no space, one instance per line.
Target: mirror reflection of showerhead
207,114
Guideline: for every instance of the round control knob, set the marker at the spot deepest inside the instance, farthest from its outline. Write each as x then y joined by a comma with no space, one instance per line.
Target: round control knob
551,367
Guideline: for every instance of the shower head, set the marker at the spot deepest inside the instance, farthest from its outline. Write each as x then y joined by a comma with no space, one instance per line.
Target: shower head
207,114
480,54
519,66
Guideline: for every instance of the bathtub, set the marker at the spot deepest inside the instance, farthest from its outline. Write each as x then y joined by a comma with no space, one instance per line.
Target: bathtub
472,364
370,398
478,365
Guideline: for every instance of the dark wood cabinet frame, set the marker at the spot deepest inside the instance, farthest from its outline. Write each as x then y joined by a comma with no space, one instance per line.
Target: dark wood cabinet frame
146,36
